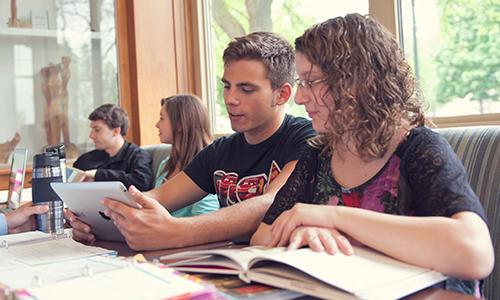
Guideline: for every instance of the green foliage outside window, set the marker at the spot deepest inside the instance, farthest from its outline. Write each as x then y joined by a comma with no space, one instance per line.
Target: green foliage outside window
468,61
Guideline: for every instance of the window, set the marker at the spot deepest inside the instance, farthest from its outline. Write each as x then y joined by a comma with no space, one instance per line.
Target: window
58,63
453,49
289,18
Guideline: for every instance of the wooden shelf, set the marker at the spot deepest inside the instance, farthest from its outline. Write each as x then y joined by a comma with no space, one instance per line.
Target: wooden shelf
46,33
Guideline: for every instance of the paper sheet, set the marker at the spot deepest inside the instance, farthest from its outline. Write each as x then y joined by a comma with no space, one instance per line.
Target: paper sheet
38,248
29,276
133,282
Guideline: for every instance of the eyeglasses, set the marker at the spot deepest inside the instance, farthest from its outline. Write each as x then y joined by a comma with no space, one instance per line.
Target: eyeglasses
308,83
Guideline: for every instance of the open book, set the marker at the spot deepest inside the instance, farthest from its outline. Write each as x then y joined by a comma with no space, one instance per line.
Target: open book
366,274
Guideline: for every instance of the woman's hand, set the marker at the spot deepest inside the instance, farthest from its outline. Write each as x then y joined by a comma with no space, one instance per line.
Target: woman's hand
320,240
300,215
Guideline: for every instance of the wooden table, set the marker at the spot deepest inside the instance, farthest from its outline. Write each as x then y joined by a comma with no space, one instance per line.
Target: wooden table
124,250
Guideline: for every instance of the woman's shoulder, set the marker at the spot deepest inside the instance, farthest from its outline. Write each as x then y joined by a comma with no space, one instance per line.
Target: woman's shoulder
425,148
312,151
422,139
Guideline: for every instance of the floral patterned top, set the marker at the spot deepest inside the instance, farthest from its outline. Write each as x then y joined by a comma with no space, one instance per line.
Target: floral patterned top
423,177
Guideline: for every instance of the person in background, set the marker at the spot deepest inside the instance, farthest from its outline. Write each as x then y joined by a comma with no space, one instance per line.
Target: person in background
21,219
115,159
375,175
184,124
245,169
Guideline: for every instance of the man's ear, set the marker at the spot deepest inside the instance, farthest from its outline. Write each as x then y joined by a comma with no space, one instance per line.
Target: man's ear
284,93
117,131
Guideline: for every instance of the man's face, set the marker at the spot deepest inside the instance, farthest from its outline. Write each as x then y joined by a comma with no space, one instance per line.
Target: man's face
102,135
250,100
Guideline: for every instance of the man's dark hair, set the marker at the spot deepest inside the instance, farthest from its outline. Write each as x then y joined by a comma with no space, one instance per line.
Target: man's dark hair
274,52
112,115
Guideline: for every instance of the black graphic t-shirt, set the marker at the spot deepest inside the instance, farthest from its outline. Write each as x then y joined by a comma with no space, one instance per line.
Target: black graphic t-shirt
237,171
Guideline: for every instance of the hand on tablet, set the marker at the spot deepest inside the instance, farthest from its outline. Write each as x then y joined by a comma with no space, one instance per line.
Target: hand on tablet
81,231
149,228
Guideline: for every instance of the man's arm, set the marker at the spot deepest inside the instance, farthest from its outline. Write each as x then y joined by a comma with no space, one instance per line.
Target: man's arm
140,174
178,192
153,228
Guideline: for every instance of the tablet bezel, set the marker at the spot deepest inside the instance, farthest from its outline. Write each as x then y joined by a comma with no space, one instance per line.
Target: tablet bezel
84,200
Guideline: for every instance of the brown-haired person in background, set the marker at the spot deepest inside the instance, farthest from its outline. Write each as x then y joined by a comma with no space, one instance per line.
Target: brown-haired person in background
375,174
245,169
184,124
114,159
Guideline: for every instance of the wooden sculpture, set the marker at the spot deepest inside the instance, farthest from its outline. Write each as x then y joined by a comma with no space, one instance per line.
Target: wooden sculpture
13,21
55,79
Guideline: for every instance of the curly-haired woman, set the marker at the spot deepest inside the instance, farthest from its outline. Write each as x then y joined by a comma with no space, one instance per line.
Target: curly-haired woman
375,175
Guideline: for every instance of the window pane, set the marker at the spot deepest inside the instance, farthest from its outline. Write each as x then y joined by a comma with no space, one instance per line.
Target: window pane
453,49
289,18
58,62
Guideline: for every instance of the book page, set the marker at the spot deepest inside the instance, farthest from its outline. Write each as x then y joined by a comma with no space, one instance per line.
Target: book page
7,264
40,253
237,259
12,239
24,276
144,281
32,249
364,270
6,261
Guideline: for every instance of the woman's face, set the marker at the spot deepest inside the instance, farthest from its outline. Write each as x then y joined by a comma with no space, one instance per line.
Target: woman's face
311,94
165,127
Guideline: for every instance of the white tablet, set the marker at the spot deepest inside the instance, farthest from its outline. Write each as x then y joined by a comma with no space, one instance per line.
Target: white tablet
84,200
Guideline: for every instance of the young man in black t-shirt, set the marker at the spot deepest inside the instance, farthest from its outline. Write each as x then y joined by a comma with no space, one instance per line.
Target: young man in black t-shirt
236,170
245,169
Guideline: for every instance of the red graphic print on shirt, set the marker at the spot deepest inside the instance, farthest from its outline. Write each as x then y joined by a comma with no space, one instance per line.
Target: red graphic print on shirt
231,190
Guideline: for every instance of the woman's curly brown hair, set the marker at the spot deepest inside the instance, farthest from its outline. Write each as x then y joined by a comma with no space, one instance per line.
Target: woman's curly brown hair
367,77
